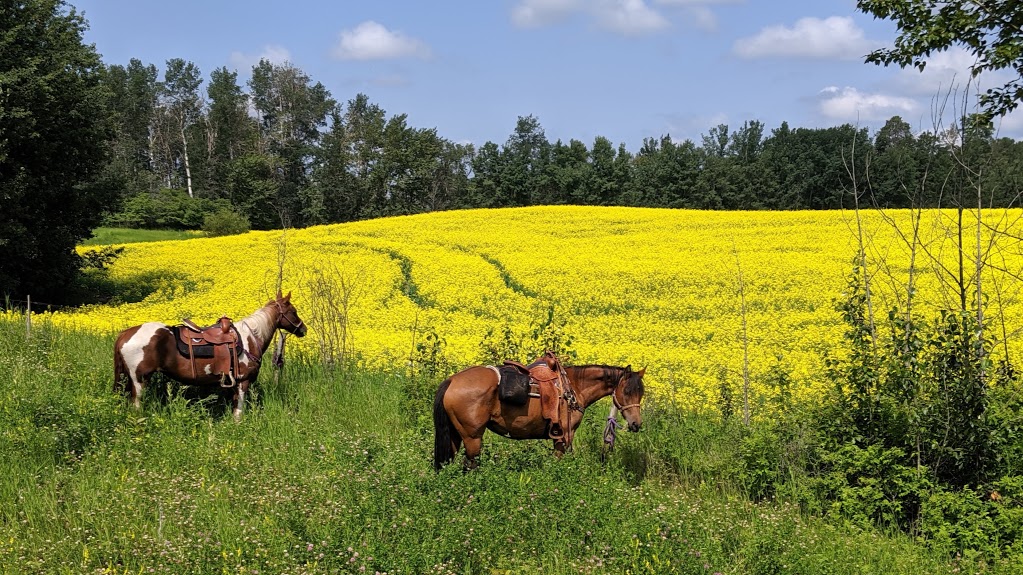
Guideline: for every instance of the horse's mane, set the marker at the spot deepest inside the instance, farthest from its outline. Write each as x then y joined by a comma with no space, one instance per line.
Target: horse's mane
260,323
610,374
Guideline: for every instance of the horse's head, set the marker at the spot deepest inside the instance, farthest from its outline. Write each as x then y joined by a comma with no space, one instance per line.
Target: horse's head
628,395
287,316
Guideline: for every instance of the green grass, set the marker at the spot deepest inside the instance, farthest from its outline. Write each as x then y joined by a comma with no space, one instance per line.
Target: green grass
108,236
327,473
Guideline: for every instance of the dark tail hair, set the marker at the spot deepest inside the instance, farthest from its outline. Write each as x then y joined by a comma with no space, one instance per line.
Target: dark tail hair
443,448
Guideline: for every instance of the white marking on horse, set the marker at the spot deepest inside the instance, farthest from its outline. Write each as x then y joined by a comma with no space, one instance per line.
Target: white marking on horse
208,369
240,407
259,326
133,352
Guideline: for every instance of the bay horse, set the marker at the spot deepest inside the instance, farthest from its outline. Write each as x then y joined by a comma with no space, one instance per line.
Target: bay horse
143,350
467,404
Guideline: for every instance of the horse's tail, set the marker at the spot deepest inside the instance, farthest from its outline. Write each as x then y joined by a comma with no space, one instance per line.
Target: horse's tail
443,447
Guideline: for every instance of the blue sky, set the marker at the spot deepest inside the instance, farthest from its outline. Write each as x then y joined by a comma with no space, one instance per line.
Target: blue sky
623,69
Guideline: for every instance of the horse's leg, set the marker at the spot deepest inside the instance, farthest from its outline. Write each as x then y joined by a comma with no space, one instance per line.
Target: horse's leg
239,399
456,443
471,433
473,446
138,383
131,348
560,447
120,372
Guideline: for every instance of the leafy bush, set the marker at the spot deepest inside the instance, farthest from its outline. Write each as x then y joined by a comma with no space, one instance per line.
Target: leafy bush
100,258
225,222
165,209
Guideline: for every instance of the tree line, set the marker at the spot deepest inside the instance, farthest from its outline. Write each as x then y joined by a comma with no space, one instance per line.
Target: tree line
281,150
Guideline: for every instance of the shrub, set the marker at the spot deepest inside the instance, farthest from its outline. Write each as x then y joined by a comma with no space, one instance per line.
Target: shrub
225,222
165,209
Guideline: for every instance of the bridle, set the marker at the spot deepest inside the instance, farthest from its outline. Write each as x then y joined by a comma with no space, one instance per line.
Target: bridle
284,316
618,405
611,430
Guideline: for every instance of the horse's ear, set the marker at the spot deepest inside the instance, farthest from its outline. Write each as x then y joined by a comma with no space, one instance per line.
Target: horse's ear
642,372
628,368
279,296
287,298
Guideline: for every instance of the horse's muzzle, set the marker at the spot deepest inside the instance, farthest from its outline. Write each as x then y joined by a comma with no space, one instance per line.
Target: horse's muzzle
634,427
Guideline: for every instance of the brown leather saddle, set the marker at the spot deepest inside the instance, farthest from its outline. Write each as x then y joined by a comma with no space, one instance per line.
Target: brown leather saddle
220,341
545,374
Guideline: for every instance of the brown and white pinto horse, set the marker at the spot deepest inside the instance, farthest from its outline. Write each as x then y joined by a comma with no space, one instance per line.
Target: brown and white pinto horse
466,406
145,349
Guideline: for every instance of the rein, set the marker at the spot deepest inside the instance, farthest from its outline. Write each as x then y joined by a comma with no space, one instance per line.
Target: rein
612,427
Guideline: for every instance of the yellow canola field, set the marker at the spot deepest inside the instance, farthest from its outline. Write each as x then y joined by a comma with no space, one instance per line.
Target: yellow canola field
648,287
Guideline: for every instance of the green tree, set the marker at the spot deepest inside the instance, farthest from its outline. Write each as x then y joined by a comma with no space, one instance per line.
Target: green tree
526,155
569,174
182,103
991,31
133,98
408,162
485,189
54,134
604,184
666,173
450,185
292,111
895,170
346,169
229,131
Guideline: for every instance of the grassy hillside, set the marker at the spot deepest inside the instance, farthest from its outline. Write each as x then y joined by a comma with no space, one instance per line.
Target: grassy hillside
329,472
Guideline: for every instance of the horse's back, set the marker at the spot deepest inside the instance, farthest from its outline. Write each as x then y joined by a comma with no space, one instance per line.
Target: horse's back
474,381
133,342
472,396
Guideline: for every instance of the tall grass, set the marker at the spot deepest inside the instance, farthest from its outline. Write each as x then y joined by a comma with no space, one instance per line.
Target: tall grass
325,475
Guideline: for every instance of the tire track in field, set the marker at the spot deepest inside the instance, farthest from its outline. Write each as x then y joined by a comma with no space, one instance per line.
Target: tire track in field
509,281
405,284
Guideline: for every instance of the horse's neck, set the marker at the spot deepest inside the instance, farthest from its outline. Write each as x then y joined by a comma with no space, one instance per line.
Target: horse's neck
590,384
261,325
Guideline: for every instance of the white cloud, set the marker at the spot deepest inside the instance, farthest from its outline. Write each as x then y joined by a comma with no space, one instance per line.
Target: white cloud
850,105
692,127
945,71
703,17
699,12
696,2
372,41
834,37
272,52
625,17
1011,124
536,13
629,17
